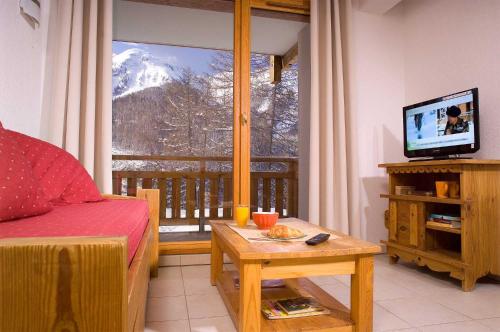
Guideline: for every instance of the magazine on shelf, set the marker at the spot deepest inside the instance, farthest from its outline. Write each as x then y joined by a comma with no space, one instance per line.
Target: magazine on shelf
441,220
443,217
272,310
299,305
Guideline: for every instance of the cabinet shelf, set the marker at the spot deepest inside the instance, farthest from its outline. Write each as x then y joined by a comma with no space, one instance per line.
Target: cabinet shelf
449,257
444,229
421,198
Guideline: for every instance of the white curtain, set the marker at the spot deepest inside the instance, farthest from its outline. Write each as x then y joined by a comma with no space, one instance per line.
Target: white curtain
333,180
77,86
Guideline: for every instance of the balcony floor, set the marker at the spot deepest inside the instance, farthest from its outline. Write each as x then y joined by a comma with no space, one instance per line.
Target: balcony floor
178,236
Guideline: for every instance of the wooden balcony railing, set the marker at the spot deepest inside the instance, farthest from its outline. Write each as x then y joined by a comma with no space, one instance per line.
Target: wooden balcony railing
183,193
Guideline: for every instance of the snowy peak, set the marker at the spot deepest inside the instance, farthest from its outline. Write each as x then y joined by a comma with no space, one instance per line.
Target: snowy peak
136,69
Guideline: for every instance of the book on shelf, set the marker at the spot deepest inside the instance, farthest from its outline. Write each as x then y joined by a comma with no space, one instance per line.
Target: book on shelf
442,220
299,305
443,217
296,307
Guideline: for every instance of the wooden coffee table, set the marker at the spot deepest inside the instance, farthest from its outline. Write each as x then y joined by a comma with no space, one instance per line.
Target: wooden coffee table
293,261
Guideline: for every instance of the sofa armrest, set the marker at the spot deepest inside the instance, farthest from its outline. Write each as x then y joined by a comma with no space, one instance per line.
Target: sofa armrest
63,283
152,196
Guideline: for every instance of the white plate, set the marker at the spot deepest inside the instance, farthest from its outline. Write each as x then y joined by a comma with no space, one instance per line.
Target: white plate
266,235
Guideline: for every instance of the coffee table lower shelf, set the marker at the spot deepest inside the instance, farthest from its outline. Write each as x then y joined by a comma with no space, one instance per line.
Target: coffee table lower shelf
338,320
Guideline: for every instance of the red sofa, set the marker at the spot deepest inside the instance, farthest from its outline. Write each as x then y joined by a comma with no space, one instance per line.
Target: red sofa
70,258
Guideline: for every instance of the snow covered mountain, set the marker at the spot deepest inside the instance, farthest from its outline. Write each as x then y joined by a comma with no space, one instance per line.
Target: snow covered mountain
136,69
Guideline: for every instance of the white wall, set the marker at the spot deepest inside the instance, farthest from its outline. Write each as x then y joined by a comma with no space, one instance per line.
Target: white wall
376,68
454,45
417,51
21,60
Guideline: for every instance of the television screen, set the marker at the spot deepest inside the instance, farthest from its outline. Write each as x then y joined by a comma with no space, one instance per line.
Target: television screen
445,125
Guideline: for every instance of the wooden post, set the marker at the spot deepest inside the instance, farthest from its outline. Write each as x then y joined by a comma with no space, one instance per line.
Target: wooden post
278,207
117,185
362,294
275,67
131,186
216,260
202,189
190,197
147,183
250,296
162,185
290,57
254,194
241,100
292,190
176,198
153,198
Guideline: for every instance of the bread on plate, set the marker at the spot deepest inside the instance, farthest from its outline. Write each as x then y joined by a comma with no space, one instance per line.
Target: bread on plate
284,232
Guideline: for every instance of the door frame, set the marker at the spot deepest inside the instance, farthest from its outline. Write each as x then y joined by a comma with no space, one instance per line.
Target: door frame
241,87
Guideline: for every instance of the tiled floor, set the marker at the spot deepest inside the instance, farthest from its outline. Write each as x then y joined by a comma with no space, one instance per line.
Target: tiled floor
407,298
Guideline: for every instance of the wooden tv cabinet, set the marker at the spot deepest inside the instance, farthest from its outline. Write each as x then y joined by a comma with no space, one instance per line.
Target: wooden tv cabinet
467,253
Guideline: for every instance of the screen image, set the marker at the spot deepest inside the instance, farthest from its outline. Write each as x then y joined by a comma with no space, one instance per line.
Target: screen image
447,122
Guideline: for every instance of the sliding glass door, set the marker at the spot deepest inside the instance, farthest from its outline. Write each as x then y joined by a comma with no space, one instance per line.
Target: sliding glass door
211,127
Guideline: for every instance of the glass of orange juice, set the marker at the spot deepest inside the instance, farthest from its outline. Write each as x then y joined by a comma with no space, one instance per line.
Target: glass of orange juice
241,215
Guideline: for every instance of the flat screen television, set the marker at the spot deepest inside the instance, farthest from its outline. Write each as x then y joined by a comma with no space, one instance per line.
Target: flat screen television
443,126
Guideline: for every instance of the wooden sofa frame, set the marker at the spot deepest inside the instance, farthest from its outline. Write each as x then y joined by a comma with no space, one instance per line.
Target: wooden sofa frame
78,283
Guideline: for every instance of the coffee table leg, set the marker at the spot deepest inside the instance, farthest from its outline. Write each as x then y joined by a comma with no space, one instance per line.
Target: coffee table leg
216,259
362,294
250,293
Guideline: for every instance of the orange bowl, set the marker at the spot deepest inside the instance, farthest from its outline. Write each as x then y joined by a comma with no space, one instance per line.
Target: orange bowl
265,220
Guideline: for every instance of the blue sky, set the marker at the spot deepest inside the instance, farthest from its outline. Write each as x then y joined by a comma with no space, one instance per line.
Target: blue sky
196,58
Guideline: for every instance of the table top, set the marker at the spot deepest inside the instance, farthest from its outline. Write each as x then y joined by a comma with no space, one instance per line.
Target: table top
344,245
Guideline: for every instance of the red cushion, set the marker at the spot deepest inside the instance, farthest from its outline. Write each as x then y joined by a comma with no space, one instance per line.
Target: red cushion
61,176
106,218
20,193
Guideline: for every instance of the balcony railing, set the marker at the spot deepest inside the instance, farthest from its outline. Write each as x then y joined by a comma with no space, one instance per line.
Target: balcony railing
186,194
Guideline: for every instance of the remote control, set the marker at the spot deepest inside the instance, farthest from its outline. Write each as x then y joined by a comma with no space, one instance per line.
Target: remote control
322,237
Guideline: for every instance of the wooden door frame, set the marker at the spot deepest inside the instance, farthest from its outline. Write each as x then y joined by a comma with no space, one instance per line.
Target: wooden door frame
241,89
241,104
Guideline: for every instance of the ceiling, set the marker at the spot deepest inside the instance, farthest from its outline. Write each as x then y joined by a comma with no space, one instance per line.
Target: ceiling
151,23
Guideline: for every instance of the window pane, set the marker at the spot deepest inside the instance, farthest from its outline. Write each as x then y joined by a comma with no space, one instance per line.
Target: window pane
274,132
172,111
275,111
